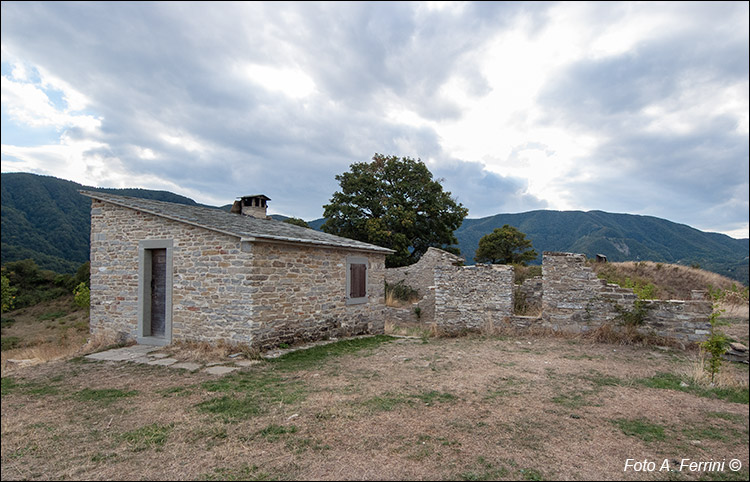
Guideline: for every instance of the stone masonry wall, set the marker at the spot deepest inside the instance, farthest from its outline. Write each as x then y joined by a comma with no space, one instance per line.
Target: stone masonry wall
575,300
211,297
530,291
421,276
470,297
261,294
302,294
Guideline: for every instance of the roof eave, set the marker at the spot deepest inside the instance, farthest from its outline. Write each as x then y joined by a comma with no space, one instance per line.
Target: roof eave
266,238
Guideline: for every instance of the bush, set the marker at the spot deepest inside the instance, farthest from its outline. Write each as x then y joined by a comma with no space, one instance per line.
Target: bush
401,292
82,295
8,295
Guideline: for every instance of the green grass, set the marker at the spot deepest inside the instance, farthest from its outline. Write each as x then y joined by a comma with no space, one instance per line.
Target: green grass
250,393
385,403
433,397
152,436
573,400
304,359
52,315
11,385
231,408
9,343
274,432
641,428
175,391
104,396
6,322
484,470
669,381
732,417
243,472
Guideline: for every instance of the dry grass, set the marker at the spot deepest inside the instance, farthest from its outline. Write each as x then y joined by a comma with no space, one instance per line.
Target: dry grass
671,280
207,352
477,407
725,378
48,331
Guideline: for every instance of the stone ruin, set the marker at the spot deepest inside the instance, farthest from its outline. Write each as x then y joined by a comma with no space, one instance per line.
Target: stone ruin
572,298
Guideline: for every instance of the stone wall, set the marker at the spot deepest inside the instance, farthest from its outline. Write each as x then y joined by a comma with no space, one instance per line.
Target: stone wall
575,300
471,297
302,294
530,294
421,277
261,294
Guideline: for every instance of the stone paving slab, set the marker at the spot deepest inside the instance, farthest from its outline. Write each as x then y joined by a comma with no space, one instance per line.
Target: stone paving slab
219,370
163,362
187,366
127,353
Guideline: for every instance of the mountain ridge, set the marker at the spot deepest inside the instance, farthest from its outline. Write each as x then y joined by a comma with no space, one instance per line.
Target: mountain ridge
45,218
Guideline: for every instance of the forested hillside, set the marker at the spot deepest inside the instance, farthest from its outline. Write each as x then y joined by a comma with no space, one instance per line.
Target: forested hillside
621,237
47,220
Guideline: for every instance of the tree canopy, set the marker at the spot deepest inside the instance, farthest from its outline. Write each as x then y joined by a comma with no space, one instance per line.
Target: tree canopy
297,222
394,203
506,245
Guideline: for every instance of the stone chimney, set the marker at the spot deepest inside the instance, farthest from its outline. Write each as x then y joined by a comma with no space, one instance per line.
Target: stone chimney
254,205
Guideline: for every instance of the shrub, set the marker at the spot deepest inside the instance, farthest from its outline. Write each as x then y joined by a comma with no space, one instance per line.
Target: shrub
8,295
82,295
716,345
401,292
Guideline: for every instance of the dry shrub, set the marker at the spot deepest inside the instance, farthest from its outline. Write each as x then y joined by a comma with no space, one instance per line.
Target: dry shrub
202,351
672,281
724,378
392,301
629,335
389,327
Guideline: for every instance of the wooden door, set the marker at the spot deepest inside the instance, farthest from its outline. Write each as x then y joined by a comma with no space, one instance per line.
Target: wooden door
158,291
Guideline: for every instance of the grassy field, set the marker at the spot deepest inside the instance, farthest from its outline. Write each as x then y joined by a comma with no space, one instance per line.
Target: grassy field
384,408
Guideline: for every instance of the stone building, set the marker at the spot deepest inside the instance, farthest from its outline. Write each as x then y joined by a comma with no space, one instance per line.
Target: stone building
163,272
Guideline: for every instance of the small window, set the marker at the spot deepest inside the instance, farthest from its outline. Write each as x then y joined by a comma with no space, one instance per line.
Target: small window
356,280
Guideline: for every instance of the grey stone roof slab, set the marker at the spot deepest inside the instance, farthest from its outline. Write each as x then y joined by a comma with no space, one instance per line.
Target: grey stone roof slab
247,228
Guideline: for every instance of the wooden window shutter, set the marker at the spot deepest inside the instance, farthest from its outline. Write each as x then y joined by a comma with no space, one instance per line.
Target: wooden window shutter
358,280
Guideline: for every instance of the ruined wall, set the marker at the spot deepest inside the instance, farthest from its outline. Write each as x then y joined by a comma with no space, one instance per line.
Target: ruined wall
529,294
470,297
421,276
261,294
575,300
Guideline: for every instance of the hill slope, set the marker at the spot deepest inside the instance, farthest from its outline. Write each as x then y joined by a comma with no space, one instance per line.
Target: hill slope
46,219
621,237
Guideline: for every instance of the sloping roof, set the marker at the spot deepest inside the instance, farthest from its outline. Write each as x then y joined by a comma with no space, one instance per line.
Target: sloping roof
247,228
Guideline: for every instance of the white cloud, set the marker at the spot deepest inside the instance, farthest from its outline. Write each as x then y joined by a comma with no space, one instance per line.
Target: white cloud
292,82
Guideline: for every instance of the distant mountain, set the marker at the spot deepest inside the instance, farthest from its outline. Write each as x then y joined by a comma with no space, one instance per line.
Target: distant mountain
46,219
620,237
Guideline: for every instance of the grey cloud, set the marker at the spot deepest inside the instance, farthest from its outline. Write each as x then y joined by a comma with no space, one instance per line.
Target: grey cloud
486,193
700,178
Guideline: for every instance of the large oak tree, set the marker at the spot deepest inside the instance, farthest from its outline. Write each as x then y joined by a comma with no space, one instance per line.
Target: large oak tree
395,203
506,245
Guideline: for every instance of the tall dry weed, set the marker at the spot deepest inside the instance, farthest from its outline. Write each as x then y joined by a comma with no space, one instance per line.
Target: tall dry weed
696,372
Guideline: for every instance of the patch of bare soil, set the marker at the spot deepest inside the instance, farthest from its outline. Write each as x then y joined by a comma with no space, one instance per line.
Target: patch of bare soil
468,408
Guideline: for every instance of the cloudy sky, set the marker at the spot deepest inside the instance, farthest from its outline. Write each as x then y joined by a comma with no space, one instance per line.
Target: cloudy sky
635,108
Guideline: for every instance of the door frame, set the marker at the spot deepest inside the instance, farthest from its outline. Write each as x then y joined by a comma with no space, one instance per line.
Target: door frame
145,248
